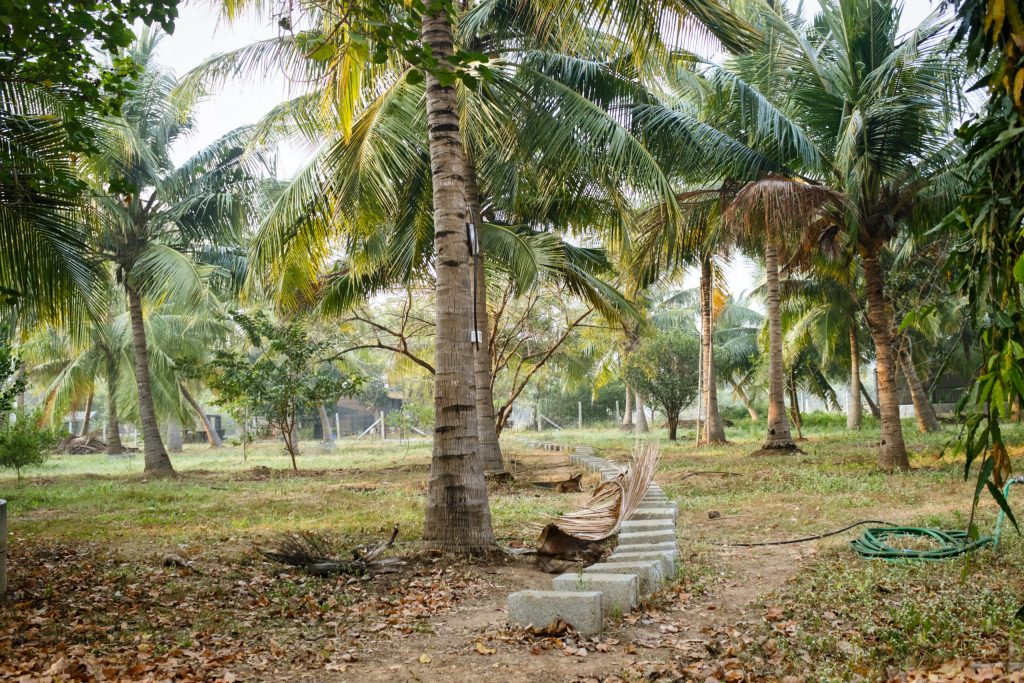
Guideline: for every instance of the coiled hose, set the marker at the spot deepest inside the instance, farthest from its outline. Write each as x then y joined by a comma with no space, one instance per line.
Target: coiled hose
945,543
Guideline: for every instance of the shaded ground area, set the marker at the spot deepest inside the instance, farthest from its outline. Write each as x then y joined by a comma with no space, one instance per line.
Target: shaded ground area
93,598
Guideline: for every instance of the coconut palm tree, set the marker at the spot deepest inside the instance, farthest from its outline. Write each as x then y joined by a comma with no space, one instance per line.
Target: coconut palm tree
167,230
878,108
456,491
71,364
825,312
737,342
855,116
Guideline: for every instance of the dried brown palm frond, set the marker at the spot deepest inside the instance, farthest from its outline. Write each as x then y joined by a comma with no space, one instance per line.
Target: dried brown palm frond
782,208
318,555
613,501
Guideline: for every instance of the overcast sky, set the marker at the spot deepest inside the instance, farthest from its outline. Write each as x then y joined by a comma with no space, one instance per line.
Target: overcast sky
200,33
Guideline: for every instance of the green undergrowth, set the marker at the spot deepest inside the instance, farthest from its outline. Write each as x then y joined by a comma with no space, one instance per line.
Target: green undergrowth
862,620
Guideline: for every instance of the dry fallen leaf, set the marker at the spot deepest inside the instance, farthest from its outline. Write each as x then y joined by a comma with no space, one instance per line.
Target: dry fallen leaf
484,650
425,659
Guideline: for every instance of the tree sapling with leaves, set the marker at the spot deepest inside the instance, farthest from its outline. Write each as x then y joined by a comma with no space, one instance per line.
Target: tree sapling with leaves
23,443
664,367
285,372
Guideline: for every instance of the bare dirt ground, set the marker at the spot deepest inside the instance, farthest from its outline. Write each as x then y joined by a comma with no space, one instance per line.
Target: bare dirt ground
683,624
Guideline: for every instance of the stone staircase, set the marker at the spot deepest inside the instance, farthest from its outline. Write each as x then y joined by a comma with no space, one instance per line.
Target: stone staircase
646,556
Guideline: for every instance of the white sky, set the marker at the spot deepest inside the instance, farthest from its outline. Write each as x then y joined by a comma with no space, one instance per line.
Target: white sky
200,33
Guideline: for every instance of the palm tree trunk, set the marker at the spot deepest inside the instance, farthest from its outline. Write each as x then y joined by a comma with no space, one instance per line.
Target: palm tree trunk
19,374
627,414
853,410
113,433
458,518
778,436
794,406
892,452
872,406
325,424
87,420
751,410
923,409
174,444
641,416
212,437
155,458
713,427
486,430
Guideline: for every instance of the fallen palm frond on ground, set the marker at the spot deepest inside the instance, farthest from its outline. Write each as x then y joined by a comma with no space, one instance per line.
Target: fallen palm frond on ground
80,445
611,503
318,556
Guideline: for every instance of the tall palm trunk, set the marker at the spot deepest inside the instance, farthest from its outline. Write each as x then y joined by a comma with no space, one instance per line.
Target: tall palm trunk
892,452
641,416
778,436
325,424
87,420
751,410
713,429
923,409
457,515
156,458
486,430
174,444
113,432
212,437
872,406
19,374
854,413
627,414
794,406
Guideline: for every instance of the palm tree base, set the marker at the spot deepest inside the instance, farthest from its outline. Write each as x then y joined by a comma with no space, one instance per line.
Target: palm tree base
771,449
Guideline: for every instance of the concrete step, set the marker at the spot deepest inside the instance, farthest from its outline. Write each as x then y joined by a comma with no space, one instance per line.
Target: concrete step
635,537
669,513
581,609
632,525
649,572
667,558
620,593
646,547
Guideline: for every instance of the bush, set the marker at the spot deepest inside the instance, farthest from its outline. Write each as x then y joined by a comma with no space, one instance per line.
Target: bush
24,444
664,367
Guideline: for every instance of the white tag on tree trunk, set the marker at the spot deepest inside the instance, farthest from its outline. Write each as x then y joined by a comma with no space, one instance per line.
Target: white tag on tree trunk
475,336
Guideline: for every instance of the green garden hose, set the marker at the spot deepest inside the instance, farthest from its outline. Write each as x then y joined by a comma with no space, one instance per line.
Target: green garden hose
946,543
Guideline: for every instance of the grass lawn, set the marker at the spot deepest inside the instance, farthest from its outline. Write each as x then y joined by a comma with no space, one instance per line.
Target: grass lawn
91,597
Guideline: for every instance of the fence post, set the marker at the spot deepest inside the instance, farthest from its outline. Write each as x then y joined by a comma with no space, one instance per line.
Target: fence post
382,436
579,408
618,417
3,547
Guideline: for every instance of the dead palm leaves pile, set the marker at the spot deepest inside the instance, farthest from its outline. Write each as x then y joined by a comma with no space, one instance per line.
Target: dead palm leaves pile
611,503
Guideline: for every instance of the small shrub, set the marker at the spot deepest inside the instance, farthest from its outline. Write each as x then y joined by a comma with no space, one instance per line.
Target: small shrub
24,444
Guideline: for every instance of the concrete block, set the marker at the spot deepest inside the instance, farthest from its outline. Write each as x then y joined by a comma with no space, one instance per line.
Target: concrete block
658,505
631,525
634,537
649,572
669,513
620,593
582,609
646,547
667,558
